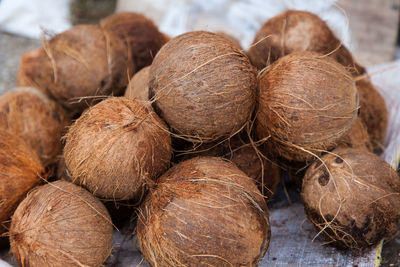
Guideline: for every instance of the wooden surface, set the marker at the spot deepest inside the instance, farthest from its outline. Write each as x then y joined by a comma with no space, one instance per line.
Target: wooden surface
374,27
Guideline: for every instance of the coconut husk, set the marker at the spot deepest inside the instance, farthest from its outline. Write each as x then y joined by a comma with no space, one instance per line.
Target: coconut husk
307,103
116,148
353,198
357,138
192,217
61,224
41,122
202,86
138,86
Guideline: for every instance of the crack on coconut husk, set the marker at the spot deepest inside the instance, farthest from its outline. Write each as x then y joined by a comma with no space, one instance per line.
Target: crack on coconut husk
170,249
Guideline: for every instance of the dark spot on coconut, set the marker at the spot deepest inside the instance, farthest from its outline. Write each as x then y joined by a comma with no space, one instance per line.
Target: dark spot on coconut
103,83
338,160
323,179
358,111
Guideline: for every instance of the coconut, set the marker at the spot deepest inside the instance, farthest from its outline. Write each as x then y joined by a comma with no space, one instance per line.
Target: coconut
41,122
116,148
203,86
352,197
83,62
139,85
139,32
61,224
192,217
307,103
295,30
357,138
234,41
20,171
373,113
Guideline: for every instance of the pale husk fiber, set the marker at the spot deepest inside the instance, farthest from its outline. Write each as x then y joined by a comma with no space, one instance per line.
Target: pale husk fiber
204,212
116,148
61,224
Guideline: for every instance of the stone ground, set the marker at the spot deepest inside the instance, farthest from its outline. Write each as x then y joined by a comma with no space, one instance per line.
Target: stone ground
11,48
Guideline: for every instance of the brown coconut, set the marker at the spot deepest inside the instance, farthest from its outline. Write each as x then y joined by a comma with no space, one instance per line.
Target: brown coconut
116,148
140,34
203,86
77,65
373,113
40,121
61,224
295,30
204,211
307,103
357,138
20,171
353,198
139,85
234,41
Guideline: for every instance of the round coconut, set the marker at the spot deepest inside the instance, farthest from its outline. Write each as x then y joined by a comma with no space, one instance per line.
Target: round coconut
307,103
61,224
229,37
203,86
295,30
139,85
373,113
41,122
77,65
116,148
20,171
192,217
352,197
357,138
140,34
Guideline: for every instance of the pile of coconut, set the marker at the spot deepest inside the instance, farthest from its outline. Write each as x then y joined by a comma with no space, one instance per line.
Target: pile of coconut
188,137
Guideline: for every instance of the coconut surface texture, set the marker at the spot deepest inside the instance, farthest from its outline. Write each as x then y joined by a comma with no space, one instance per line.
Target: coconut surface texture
116,148
295,30
203,86
139,33
139,85
77,65
357,138
61,224
373,113
41,122
307,103
20,171
204,212
352,197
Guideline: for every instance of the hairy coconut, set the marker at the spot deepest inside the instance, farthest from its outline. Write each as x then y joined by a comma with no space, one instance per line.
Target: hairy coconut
83,62
41,122
20,171
139,85
140,34
116,148
352,197
61,224
373,113
234,41
204,211
307,103
203,86
295,30
357,138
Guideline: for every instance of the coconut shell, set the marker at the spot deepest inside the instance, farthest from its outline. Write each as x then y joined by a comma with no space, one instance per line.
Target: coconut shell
307,103
353,198
139,85
295,30
84,61
357,138
373,113
61,224
203,86
116,148
140,34
20,171
41,122
192,217
234,41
